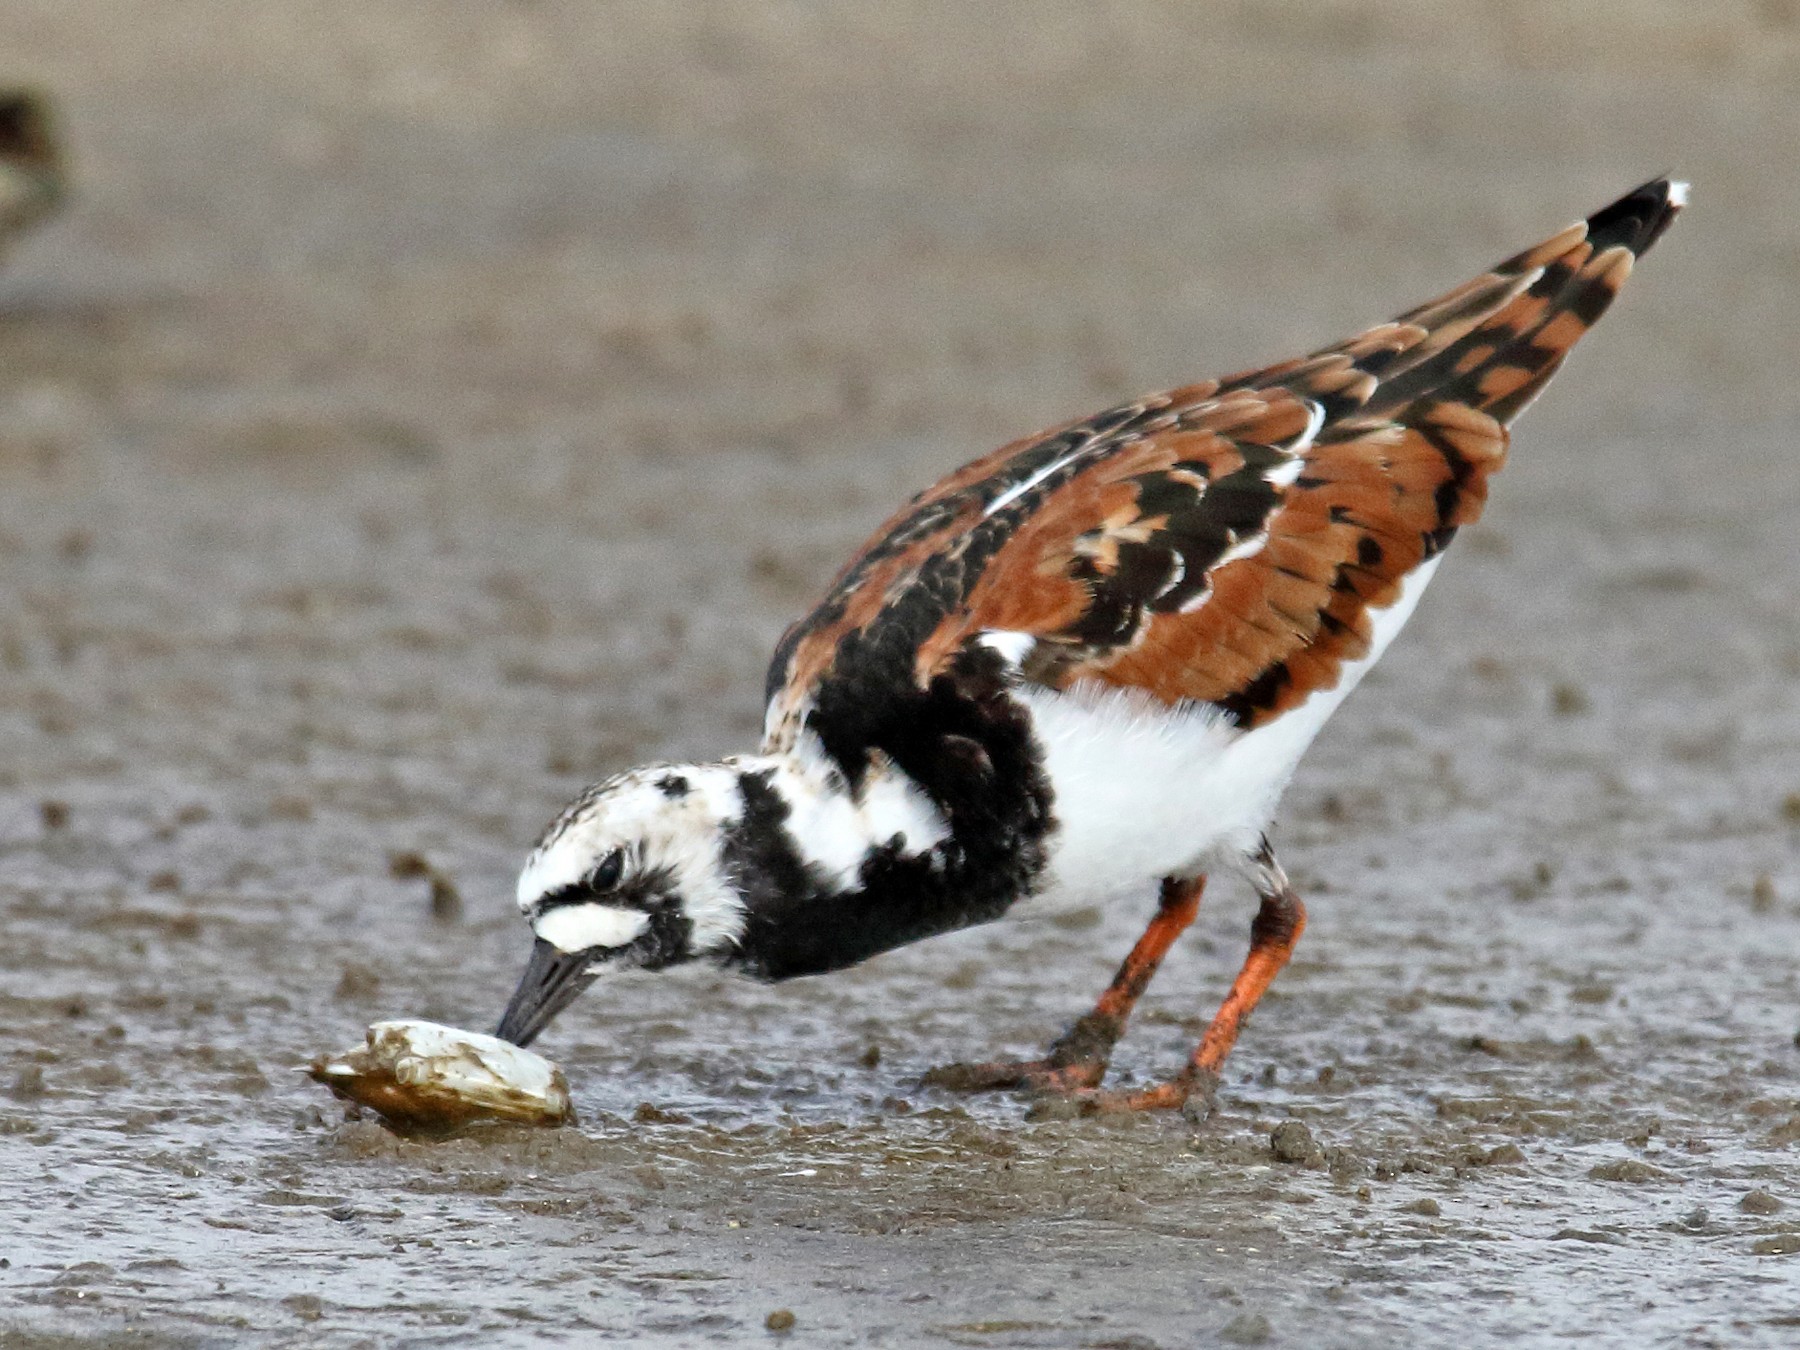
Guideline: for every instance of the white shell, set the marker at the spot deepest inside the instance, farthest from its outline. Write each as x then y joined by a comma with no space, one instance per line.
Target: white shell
423,1076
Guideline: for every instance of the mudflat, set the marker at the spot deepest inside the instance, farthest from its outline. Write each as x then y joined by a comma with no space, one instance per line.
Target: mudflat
420,412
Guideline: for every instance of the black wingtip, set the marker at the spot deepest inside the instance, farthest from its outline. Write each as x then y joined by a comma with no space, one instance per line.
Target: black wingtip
1638,219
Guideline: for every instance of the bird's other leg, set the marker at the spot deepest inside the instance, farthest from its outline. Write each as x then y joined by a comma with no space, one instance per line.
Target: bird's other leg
1280,919
1078,1058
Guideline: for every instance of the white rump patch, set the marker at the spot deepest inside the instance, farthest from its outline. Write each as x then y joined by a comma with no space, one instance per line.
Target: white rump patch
576,928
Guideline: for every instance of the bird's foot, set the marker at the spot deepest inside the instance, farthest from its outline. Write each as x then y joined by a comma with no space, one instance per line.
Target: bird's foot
1191,1093
1037,1075
1076,1061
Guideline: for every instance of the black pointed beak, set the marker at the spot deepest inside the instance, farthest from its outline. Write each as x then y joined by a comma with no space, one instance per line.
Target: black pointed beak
551,982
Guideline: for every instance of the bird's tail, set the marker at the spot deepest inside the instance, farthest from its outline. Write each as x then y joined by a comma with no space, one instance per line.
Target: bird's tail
1494,342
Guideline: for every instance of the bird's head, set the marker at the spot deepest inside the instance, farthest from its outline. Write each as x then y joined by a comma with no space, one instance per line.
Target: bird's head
631,875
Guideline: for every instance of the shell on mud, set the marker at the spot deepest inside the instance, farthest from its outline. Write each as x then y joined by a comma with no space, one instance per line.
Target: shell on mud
420,1076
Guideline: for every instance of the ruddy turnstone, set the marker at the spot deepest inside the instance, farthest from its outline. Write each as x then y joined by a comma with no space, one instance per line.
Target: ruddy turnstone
32,182
1080,666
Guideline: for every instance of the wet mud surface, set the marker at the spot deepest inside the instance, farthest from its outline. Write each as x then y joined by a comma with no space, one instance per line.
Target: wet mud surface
414,419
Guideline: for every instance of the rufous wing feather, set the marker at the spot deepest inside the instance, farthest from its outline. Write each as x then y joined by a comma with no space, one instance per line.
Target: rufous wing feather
1226,543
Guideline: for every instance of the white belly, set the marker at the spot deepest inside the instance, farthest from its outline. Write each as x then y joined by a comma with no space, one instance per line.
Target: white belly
1144,791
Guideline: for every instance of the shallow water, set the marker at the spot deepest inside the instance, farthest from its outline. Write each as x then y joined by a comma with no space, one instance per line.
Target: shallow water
407,427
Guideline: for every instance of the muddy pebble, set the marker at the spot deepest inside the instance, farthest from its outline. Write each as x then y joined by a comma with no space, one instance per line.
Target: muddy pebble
307,1307
1292,1142
1429,1208
779,1321
1247,1329
1629,1169
54,814
1569,700
1503,1155
1784,1245
1760,1202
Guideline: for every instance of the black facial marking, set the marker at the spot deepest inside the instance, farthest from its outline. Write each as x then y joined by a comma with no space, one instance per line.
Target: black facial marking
673,786
668,941
651,890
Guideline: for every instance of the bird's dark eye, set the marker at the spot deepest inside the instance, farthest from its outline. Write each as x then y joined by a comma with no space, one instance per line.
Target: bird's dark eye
606,875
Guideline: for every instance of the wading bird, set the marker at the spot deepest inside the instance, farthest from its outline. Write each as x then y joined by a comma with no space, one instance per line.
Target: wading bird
32,179
1086,663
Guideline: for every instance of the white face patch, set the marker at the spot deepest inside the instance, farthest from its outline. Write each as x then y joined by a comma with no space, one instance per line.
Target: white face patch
577,928
668,819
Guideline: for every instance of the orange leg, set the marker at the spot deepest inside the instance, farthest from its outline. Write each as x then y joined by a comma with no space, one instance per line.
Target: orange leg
1078,1058
1273,935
